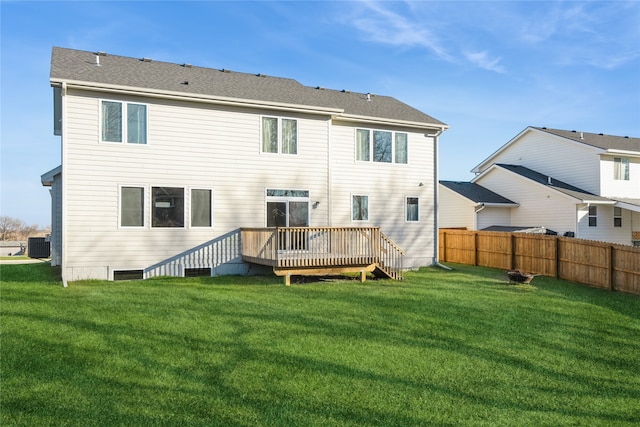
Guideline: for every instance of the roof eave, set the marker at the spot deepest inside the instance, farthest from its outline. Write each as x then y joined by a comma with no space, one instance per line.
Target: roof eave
439,127
220,100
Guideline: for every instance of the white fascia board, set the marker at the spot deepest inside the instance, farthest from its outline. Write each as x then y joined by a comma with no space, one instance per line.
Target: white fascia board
627,206
627,153
498,205
219,100
439,128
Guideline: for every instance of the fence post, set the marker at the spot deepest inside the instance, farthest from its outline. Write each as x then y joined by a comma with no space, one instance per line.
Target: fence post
557,260
512,251
444,246
611,269
475,249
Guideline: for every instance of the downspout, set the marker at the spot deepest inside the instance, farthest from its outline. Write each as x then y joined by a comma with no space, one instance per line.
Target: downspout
329,174
479,207
436,193
63,177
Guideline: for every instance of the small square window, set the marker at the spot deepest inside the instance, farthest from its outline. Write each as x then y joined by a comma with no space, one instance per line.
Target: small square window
167,207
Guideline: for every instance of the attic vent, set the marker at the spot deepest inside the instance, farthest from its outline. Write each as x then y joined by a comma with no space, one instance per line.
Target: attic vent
319,88
626,137
549,180
186,82
346,91
601,134
146,60
261,75
186,65
368,97
101,53
543,128
224,70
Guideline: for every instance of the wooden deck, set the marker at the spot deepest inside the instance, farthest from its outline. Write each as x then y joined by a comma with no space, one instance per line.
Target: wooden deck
323,251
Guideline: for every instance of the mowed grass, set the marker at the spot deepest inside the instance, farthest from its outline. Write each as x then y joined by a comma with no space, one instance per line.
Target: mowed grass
449,348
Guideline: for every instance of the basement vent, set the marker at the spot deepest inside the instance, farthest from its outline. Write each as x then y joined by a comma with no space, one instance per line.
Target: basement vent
128,275
197,272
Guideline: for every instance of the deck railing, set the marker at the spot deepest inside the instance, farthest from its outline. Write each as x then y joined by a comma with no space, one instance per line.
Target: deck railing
314,247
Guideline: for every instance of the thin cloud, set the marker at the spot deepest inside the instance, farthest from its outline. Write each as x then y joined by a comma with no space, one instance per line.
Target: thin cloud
385,26
482,60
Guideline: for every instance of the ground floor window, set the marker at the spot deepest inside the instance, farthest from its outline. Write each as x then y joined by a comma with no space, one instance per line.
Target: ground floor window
412,209
593,216
617,217
167,207
131,206
201,208
359,208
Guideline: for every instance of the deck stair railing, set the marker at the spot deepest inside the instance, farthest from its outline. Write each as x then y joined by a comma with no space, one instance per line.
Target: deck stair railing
330,248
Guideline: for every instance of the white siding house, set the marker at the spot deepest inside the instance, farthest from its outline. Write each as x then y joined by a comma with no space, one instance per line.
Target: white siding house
575,183
162,165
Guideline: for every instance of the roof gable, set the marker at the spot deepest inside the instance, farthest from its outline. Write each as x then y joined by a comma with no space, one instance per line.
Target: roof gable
112,70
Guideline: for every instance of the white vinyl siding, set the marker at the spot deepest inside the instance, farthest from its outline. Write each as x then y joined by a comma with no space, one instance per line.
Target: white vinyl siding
620,178
191,149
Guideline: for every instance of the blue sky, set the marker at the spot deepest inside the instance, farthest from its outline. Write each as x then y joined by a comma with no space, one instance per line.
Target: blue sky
488,69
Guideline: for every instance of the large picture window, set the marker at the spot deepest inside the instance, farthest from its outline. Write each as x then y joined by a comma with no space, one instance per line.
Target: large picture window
132,206
167,207
359,208
381,146
201,215
621,168
133,130
279,135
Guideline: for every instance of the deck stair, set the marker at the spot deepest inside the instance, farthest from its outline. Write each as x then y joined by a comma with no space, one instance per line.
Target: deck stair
323,251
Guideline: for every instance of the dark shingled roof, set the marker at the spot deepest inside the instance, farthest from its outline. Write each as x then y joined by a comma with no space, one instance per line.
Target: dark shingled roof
475,192
80,66
606,142
551,182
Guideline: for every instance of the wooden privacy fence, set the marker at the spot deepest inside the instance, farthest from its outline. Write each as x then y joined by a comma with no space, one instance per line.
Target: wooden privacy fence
599,264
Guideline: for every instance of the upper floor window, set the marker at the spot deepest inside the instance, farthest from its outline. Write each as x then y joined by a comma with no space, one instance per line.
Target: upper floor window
593,216
381,146
115,128
279,135
617,216
621,168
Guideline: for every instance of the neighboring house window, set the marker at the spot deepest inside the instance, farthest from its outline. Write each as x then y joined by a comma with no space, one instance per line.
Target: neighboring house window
133,130
201,208
360,208
593,216
167,207
381,146
413,213
621,168
279,135
132,206
617,216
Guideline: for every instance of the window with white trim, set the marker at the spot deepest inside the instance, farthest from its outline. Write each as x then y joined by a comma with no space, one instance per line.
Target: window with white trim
279,135
593,216
131,206
617,216
381,146
621,169
201,207
412,209
115,128
167,207
359,208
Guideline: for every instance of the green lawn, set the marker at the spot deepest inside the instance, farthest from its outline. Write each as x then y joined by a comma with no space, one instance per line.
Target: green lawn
449,348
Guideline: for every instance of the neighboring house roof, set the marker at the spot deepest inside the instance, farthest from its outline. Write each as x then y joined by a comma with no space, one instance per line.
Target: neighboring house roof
47,178
610,143
599,140
630,204
477,193
515,229
555,184
148,77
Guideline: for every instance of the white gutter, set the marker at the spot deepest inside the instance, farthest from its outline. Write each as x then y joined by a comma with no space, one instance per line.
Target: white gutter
436,195
173,95
439,128
613,151
63,220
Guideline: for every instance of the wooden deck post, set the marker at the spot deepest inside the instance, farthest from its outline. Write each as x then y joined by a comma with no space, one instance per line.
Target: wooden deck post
287,279
363,276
